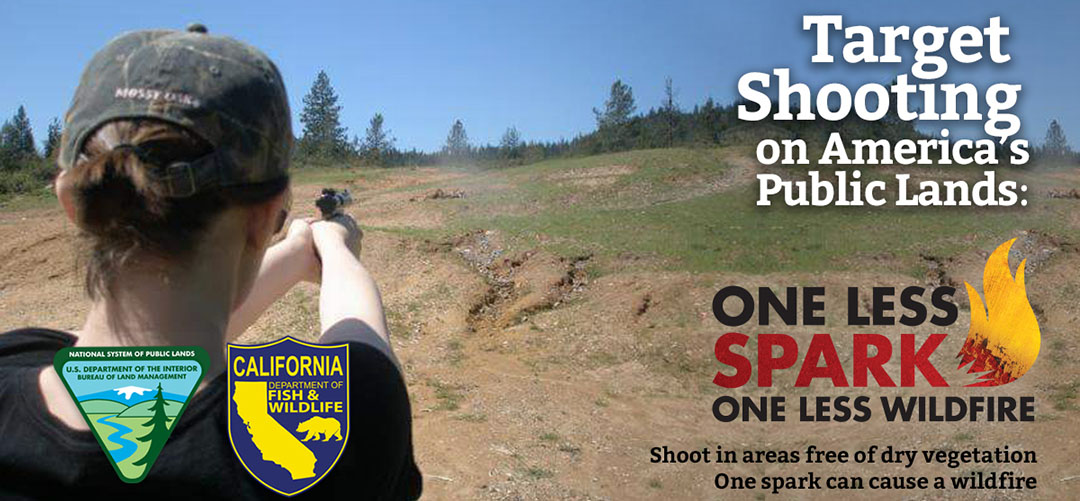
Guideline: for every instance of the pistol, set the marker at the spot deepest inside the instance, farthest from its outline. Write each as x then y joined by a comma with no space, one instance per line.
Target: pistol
333,202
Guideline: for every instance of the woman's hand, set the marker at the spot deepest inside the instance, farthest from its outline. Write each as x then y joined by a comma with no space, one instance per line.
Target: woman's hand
340,231
301,250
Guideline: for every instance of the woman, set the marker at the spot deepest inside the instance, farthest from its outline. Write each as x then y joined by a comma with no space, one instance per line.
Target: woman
174,169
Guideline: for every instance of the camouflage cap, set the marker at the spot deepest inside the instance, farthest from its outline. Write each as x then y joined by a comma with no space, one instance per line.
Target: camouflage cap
222,90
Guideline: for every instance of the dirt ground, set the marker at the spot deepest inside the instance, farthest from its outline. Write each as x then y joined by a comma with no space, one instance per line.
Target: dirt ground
533,377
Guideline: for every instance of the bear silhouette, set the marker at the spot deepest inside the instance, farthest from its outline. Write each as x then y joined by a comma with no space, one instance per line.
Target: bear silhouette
316,426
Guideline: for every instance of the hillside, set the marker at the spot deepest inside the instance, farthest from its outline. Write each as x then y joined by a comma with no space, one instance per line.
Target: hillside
99,406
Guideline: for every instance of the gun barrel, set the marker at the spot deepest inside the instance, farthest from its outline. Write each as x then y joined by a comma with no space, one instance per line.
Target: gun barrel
333,202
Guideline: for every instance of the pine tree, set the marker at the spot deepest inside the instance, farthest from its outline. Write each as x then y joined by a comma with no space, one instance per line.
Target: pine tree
670,111
8,159
377,141
613,121
618,108
510,145
323,134
159,431
1055,145
457,141
52,139
17,140
24,134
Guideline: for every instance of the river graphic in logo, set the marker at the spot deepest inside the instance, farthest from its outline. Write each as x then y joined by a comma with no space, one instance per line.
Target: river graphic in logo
288,410
131,397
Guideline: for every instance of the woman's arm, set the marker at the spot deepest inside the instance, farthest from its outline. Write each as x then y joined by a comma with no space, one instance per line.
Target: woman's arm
285,264
349,295
350,306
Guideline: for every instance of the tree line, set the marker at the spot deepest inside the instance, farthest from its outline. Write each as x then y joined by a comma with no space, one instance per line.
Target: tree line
23,168
620,126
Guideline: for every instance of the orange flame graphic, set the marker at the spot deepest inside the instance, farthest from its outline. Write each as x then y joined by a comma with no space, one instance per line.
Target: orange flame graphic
1003,340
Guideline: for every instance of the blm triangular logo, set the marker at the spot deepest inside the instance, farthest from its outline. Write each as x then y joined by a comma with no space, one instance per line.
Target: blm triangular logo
131,397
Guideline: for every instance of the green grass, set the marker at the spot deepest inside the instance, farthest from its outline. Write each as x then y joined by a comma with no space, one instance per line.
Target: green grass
35,199
1058,348
397,324
449,397
537,473
304,174
471,417
1064,396
726,232
455,353
549,436
657,206
964,437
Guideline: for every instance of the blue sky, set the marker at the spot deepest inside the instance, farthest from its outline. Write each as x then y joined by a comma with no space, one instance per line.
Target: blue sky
540,66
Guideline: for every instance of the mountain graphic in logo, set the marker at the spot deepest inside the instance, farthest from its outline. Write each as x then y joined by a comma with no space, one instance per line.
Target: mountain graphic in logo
128,391
1003,340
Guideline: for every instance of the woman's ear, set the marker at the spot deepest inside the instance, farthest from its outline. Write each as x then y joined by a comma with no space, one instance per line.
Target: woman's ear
65,192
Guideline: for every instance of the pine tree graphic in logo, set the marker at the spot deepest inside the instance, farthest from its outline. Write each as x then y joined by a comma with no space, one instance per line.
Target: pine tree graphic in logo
159,431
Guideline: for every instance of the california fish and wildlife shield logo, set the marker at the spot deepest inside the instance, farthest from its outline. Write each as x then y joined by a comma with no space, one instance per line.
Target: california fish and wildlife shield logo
288,410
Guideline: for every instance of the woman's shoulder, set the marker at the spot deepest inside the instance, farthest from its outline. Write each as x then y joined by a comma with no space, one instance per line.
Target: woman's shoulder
31,346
